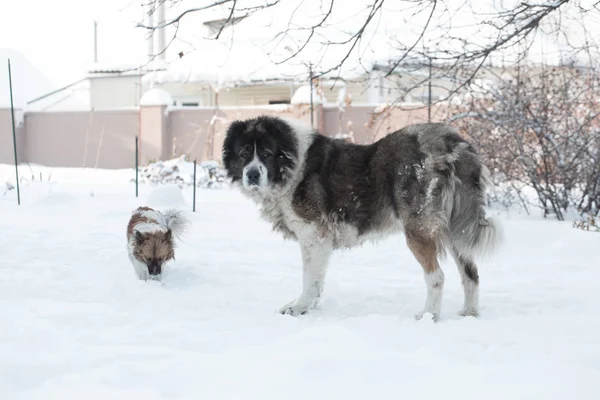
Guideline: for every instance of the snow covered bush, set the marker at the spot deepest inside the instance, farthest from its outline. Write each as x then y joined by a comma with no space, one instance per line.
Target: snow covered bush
8,186
180,171
588,222
539,128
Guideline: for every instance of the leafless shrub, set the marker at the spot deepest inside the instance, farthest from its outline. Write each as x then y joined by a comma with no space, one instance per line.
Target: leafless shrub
540,128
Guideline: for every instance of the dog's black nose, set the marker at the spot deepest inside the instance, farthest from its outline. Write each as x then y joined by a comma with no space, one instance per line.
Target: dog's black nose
253,176
154,269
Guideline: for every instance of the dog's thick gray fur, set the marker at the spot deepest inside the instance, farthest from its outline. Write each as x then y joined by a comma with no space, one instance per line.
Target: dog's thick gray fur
424,179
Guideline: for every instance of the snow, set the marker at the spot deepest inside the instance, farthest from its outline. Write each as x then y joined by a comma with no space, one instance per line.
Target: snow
74,98
179,171
156,97
342,99
76,323
342,135
115,68
258,47
302,96
164,196
380,108
28,82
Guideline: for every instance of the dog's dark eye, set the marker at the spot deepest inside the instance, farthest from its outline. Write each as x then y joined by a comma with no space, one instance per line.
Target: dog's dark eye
266,154
244,155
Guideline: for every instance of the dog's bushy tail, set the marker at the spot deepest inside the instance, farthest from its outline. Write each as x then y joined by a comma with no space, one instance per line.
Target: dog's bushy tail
176,221
472,233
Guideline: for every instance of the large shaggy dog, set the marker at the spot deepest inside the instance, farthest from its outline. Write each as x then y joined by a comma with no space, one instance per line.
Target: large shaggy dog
424,180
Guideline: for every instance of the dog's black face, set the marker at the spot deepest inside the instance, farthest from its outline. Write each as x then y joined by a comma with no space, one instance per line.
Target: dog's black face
260,153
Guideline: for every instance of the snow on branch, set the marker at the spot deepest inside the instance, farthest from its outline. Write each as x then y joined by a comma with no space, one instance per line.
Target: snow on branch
362,32
540,128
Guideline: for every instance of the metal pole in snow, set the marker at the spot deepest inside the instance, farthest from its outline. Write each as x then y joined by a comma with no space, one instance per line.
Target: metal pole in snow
12,113
194,196
136,166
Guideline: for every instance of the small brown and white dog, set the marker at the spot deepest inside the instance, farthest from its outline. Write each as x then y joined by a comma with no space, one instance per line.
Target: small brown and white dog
150,240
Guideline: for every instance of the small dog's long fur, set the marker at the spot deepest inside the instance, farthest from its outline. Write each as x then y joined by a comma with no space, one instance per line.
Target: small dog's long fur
425,180
150,240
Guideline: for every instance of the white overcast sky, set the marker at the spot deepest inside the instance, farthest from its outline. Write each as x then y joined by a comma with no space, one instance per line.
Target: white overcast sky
57,35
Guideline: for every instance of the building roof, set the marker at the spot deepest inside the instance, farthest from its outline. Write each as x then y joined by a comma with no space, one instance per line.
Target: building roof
28,81
100,70
73,97
257,47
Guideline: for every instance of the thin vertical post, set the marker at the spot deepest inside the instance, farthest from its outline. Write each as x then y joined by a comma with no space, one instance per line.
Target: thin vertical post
12,113
310,77
95,41
429,94
194,195
136,167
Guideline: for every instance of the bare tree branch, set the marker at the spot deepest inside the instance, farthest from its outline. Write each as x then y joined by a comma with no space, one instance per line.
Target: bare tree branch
457,59
178,18
401,59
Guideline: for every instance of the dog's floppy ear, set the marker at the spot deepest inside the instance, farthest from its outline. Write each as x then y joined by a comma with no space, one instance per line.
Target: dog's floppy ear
139,238
236,128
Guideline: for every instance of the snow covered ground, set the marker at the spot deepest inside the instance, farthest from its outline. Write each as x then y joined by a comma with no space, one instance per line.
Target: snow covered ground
76,324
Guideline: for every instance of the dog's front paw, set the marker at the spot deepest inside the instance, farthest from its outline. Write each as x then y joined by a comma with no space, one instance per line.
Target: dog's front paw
294,308
429,316
468,312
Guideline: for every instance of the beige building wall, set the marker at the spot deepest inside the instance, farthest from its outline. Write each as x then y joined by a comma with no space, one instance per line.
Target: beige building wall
109,92
189,130
367,124
199,133
106,139
97,139
256,95
114,91
187,92
6,137
155,142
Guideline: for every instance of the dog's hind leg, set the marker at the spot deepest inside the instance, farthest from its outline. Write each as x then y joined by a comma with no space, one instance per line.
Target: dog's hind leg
425,251
470,281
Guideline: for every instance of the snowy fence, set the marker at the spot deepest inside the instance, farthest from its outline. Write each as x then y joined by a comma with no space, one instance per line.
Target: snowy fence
106,138
6,139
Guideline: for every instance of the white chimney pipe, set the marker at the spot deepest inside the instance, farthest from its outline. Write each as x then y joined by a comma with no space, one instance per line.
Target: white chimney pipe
95,42
162,43
150,23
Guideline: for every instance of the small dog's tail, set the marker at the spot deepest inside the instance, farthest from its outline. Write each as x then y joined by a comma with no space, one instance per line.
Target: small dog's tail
176,221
